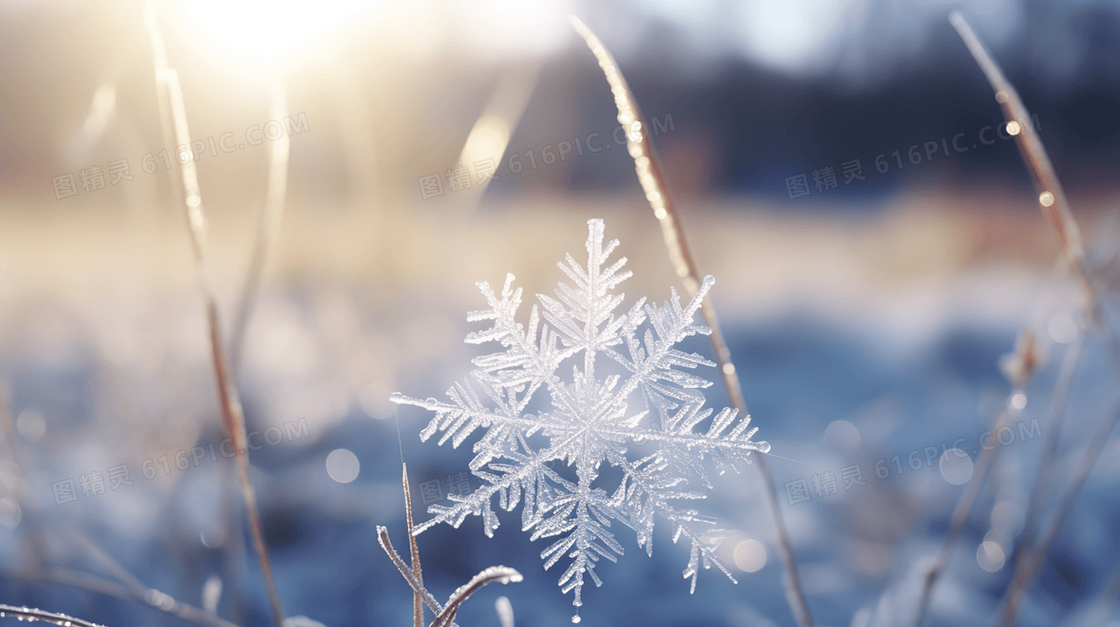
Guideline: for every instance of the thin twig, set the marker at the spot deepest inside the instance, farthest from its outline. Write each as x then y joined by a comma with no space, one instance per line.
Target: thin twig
1056,417
268,226
963,510
1054,206
175,119
499,574
150,598
24,613
233,544
1037,557
490,134
406,572
417,602
235,426
653,184
130,587
1051,197
118,571
75,579
1020,368
445,615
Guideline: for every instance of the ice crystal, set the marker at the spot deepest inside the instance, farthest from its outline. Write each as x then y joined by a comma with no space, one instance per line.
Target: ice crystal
630,402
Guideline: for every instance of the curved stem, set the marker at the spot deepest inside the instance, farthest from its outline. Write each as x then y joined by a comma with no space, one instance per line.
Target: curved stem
1055,206
500,574
268,226
1034,560
406,572
963,510
1049,446
414,550
653,184
174,118
148,597
63,620
1052,200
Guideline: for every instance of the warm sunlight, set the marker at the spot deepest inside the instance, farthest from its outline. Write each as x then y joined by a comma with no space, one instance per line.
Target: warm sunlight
637,313
267,29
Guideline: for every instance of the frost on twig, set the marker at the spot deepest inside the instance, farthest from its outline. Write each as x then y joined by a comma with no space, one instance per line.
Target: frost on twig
445,615
31,615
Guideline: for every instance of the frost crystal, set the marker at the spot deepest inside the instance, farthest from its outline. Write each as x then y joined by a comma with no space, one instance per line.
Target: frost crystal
630,402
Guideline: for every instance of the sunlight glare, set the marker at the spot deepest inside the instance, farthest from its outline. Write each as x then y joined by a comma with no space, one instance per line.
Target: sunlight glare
793,34
487,140
267,29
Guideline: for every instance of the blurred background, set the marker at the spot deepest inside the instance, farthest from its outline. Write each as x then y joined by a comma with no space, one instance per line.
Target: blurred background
840,166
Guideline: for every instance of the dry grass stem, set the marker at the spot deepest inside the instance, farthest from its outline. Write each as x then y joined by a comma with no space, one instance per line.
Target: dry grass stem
652,180
491,132
1028,568
417,602
1020,367
406,572
445,615
1056,416
1055,207
172,107
493,574
130,588
1052,198
963,509
29,615
150,597
234,554
268,226
134,585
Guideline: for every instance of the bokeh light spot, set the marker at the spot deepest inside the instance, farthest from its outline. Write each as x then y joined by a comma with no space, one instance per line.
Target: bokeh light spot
956,466
342,465
750,555
1062,328
990,556
31,425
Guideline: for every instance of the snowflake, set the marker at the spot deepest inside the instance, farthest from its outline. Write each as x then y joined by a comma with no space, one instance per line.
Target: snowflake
630,402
